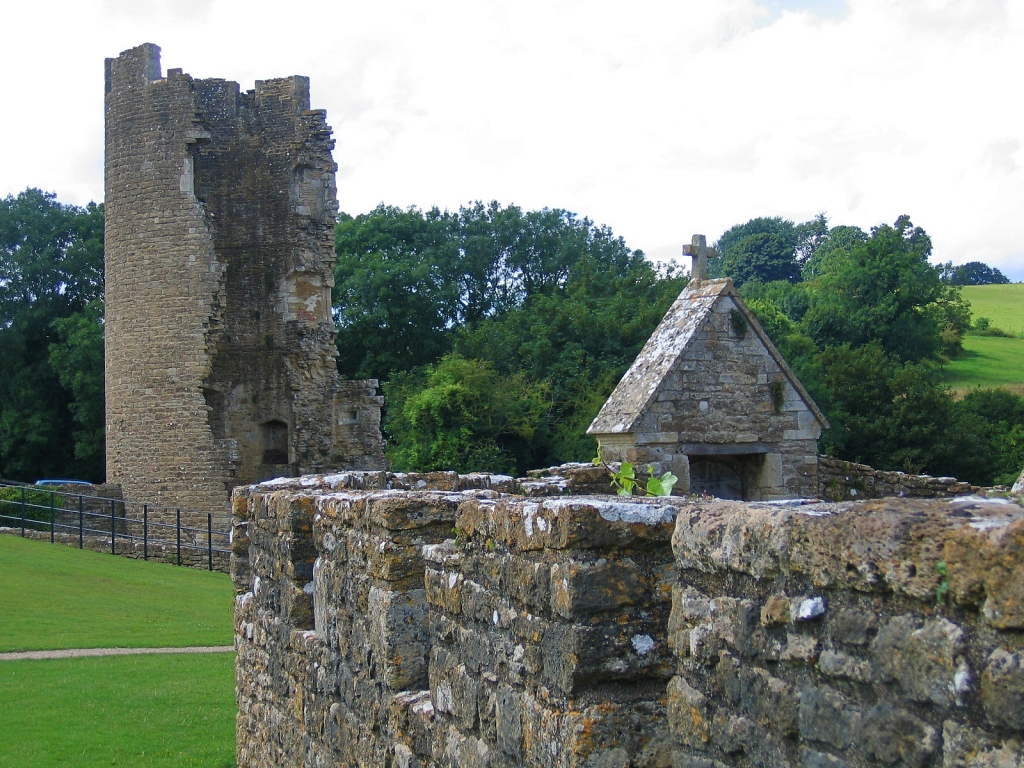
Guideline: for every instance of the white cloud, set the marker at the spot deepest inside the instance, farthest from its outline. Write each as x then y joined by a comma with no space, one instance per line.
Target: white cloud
658,119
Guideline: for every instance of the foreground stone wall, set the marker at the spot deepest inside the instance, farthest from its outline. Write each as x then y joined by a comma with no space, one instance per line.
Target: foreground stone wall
440,620
878,633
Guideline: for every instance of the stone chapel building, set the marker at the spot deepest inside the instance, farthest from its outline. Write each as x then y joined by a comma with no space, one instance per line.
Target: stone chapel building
710,399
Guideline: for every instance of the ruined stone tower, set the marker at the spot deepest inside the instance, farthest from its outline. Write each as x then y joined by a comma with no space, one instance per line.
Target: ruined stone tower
220,356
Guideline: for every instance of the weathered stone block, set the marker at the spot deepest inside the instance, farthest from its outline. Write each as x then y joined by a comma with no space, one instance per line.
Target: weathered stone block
583,589
688,713
967,747
925,659
896,737
1002,689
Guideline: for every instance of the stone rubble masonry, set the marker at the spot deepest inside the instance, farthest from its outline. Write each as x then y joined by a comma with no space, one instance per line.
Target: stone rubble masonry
839,480
709,385
220,355
389,619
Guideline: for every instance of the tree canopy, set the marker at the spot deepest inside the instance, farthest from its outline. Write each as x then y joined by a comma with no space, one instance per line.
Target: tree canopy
972,273
51,397
545,300
406,280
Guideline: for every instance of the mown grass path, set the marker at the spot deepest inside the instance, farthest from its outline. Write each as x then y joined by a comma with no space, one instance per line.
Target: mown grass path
148,709
57,597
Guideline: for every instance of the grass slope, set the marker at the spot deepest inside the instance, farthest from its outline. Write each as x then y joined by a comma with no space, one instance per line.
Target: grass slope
58,597
128,710
991,361
1002,304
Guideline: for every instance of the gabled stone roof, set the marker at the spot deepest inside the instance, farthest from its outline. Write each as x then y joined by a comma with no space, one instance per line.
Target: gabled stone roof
639,387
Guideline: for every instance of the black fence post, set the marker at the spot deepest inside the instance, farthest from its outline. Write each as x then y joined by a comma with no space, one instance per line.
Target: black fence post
113,533
51,517
209,540
81,516
145,531
23,511
179,534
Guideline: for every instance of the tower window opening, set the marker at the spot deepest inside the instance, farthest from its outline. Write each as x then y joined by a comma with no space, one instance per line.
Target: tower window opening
275,442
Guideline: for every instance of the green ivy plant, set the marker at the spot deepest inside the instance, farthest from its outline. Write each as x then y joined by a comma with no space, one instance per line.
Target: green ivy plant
943,586
626,483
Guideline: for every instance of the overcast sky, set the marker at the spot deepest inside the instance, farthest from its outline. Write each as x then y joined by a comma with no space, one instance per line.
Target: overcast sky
659,119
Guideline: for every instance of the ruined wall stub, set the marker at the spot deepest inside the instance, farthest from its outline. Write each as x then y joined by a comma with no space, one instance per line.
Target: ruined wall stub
220,356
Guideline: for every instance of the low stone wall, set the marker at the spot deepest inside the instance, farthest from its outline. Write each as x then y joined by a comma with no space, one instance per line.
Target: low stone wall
446,627
840,480
136,550
446,622
879,633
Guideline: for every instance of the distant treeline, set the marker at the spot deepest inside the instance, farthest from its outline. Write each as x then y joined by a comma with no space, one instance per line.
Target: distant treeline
498,333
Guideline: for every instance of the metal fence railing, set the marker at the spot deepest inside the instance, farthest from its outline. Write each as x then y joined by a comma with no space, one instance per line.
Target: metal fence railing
182,536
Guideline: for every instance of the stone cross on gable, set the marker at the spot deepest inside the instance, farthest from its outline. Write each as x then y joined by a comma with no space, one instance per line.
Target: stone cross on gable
699,251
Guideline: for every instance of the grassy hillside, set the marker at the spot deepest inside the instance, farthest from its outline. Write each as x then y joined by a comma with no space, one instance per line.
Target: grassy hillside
1003,305
992,361
59,597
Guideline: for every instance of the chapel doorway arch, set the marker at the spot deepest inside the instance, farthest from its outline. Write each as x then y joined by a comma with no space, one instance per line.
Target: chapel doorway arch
715,478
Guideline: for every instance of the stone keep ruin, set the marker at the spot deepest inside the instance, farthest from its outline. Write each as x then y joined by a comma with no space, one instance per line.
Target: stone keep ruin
220,356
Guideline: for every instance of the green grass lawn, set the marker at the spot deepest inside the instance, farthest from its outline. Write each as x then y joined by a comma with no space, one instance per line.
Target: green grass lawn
988,362
58,597
128,710
992,361
1003,305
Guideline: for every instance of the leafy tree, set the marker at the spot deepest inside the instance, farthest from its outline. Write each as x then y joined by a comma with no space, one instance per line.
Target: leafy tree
880,291
972,273
462,414
579,340
840,239
810,236
793,299
897,415
763,257
396,291
77,357
406,281
1002,416
51,262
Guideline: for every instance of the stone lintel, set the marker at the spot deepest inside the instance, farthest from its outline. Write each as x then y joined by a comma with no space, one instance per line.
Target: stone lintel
726,449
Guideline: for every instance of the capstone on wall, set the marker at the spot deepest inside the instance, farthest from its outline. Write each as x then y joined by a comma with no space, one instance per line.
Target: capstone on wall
442,620
220,356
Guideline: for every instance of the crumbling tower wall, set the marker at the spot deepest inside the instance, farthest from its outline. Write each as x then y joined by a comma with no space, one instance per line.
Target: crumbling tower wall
220,355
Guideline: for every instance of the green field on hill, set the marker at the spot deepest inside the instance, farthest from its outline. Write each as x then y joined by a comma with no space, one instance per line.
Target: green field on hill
1003,305
992,361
